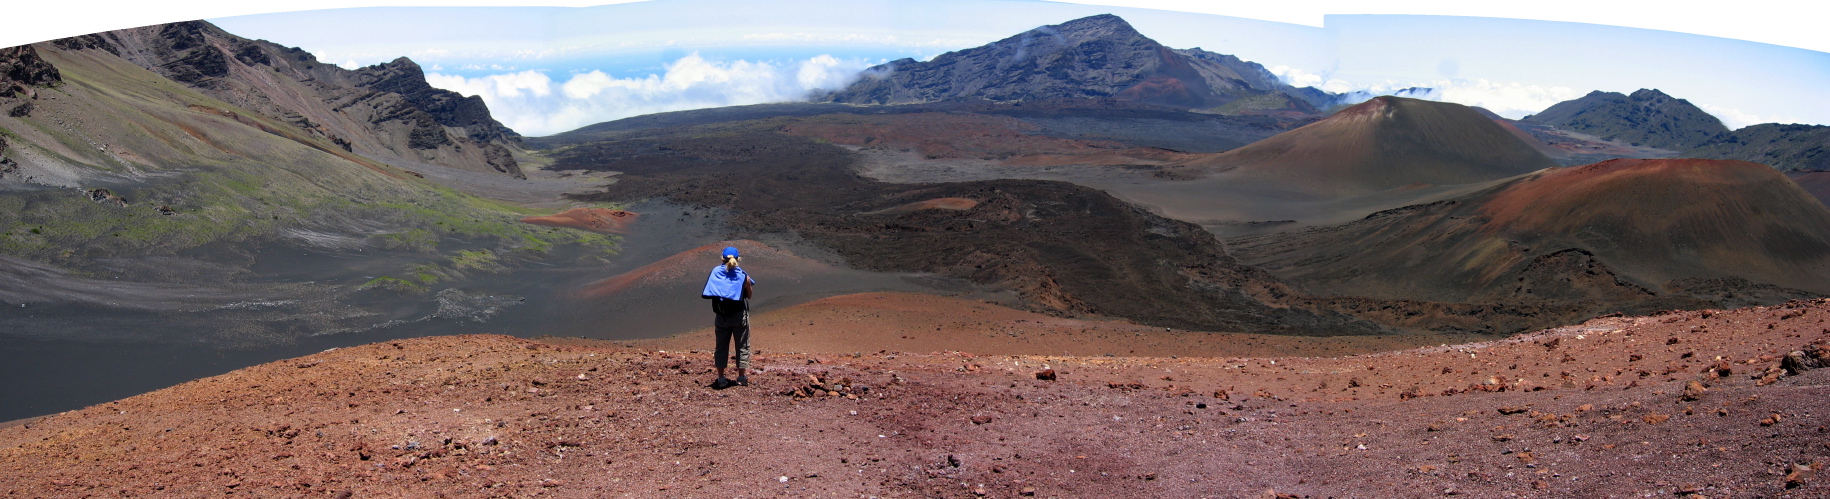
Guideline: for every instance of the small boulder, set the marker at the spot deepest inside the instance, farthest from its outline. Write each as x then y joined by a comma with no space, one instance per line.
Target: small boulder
1799,474
1799,362
1693,391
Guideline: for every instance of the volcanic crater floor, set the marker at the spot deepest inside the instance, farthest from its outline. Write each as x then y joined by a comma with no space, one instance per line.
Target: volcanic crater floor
1702,403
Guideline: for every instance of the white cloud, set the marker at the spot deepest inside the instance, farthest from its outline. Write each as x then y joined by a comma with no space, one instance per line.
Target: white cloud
1297,77
1735,119
825,71
533,103
1510,99
501,86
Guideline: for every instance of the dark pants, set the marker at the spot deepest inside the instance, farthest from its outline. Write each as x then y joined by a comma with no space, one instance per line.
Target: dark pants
732,334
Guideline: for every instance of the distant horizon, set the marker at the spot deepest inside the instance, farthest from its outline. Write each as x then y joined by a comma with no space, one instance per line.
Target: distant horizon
547,70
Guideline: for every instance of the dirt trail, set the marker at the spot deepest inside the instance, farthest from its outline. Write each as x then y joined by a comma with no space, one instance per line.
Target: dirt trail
1605,408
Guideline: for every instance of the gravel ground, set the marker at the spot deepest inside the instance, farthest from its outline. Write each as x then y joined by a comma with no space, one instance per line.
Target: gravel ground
1689,403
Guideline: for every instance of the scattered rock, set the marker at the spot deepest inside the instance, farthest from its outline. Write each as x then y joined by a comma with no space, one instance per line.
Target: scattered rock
1693,391
1510,410
1800,474
1770,375
817,386
1798,362
1046,375
981,419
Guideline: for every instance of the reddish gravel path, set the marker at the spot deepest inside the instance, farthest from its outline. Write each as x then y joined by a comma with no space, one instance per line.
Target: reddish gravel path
1589,410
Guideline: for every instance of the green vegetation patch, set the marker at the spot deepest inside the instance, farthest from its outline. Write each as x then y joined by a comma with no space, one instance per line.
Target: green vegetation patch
393,284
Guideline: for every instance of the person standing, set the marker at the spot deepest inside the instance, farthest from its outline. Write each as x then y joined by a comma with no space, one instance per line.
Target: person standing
729,289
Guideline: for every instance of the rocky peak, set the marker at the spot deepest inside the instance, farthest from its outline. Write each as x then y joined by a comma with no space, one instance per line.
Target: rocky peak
1647,117
1089,58
386,111
1650,97
1085,29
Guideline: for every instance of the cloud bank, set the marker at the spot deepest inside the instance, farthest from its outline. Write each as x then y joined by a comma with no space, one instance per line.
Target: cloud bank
1510,99
535,104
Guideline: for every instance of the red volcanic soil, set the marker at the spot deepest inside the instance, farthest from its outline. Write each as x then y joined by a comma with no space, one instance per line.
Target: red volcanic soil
1815,182
972,136
1620,235
599,220
914,322
1704,403
1383,143
954,204
1728,216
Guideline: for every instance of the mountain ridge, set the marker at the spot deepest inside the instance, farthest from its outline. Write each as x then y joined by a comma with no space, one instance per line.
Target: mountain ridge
1647,117
1100,56
1785,147
386,111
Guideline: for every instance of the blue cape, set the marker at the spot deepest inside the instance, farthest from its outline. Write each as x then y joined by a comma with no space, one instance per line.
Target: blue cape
725,284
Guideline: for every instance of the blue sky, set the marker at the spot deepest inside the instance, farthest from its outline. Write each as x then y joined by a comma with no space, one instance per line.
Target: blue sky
545,70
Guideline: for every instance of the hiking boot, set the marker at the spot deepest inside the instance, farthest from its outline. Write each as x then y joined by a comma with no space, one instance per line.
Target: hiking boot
743,381
721,383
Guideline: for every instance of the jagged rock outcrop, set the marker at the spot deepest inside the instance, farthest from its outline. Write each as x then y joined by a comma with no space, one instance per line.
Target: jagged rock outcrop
21,72
1094,57
21,69
385,111
1786,147
1648,117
